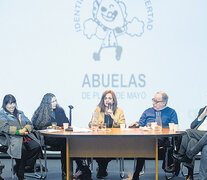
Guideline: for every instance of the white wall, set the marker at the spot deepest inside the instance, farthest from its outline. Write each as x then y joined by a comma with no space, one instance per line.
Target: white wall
43,49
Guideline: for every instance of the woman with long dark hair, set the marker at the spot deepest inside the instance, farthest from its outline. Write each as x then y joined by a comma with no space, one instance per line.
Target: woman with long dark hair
108,113
49,111
18,130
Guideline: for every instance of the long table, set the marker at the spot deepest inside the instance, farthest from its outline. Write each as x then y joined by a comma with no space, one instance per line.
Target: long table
116,143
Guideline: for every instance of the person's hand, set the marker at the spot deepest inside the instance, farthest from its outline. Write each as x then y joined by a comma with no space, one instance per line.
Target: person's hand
23,132
203,114
110,111
132,125
205,111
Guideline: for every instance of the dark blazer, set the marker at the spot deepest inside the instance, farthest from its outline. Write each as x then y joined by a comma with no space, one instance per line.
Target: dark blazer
195,124
60,117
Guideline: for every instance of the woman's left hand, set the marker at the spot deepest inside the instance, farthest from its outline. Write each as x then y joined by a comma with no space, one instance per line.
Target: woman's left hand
23,132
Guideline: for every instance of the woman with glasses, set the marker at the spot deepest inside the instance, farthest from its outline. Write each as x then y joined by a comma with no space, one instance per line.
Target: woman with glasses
49,111
108,113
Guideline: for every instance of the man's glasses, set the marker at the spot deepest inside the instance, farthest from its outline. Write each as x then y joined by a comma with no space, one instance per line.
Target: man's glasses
155,101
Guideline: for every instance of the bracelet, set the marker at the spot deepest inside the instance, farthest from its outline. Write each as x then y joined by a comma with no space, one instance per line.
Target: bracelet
17,132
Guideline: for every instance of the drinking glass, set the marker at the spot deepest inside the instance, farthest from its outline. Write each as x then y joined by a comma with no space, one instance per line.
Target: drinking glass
54,125
148,125
65,125
122,126
102,126
158,120
153,124
158,128
171,126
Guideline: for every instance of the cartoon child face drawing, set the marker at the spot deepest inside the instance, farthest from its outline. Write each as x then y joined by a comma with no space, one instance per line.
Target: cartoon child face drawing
110,14
109,21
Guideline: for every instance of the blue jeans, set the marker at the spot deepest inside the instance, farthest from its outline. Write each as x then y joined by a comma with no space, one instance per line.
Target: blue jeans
203,162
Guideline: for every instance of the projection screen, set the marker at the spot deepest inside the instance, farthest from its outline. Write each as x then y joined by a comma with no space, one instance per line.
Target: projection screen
78,49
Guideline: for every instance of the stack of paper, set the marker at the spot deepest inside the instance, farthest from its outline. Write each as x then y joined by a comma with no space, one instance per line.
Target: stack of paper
76,129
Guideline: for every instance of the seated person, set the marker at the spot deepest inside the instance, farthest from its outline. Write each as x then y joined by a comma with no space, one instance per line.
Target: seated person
22,143
108,113
49,111
1,168
168,115
193,141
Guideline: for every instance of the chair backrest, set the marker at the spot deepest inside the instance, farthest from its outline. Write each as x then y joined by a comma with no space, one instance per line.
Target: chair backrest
166,151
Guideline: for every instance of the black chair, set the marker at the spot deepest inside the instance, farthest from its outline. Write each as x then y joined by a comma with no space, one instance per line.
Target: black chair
184,166
171,169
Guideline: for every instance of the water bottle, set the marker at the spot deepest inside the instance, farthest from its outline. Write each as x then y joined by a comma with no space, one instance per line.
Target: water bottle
158,121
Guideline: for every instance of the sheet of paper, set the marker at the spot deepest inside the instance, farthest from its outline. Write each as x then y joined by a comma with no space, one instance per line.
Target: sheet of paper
50,130
77,129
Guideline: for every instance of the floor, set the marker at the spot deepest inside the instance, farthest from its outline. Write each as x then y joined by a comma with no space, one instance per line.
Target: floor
54,172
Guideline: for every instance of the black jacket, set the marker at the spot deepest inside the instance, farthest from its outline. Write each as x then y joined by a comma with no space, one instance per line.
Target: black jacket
60,117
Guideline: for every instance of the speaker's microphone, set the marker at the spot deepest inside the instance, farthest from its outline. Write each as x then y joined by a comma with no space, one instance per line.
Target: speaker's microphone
109,106
70,114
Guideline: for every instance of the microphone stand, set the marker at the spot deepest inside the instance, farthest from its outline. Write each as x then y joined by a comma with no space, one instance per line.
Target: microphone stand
70,114
108,115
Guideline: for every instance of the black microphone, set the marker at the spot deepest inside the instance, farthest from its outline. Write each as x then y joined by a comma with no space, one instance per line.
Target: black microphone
70,114
108,116
109,105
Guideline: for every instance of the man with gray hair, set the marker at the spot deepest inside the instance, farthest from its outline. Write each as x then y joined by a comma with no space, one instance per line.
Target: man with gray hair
159,102
167,115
